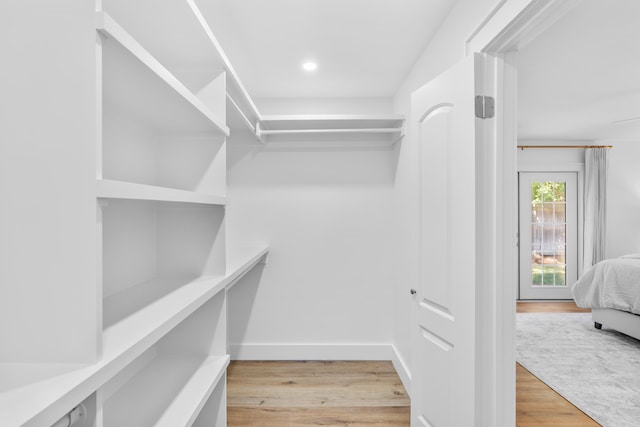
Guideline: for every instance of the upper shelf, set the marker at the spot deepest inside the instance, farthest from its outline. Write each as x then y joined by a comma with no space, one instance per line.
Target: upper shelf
134,81
387,128
178,35
110,189
285,123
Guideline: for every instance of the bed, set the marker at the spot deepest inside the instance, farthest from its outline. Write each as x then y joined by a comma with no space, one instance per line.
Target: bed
611,288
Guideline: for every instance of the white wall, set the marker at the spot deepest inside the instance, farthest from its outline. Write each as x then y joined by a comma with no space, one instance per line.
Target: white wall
296,190
325,213
47,180
327,106
446,49
623,199
550,157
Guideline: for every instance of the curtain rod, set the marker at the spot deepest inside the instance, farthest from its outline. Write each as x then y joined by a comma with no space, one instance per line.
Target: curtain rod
522,147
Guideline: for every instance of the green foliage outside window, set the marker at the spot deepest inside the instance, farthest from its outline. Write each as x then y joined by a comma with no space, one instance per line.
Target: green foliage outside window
548,191
548,275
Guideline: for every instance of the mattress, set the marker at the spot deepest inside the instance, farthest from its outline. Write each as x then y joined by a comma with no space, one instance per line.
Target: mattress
612,283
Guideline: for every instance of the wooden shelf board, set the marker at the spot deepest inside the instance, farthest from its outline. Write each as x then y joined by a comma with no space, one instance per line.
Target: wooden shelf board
39,394
194,48
36,394
121,305
136,83
333,122
111,189
167,392
331,129
141,329
190,48
241,259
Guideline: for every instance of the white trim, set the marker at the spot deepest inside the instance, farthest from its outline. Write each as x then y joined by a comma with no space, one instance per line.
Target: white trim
402,369
482,26
487,227
312,351
515,23
506,261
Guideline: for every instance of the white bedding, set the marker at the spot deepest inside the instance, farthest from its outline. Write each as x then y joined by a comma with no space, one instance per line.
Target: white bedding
612,283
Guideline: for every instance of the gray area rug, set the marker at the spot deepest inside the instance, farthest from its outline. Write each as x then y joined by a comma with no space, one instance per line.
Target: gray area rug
596,370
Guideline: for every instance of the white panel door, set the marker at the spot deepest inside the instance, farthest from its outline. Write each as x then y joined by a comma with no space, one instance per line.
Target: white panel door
548,229
444,122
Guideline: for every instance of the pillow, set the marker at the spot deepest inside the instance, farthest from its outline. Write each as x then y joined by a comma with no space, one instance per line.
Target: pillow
631,256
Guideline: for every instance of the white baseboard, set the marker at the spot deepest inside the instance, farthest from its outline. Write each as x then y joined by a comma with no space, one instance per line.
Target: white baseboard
402,369
313,352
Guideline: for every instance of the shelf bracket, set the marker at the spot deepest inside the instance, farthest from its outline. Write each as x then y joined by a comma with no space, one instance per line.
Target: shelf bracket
398,139
259,133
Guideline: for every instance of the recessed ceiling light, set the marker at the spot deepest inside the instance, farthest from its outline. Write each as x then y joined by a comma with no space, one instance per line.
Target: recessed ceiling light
309,66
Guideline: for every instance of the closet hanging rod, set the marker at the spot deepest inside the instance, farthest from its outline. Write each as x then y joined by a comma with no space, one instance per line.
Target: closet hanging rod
522,147
243,116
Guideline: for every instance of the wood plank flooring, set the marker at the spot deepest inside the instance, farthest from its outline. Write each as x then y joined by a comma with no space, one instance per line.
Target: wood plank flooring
358,394
536,403
282,394
550,307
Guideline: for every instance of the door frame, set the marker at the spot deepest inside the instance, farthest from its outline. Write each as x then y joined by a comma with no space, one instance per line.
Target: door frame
509,26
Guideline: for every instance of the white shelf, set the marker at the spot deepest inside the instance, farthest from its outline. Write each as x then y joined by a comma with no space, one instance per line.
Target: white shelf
110,189
388,128
121,305
136,83
353,121
194,47
168,392
241,259
39,394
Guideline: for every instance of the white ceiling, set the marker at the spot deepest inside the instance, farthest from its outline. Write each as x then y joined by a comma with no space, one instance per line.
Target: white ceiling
581,78
364,48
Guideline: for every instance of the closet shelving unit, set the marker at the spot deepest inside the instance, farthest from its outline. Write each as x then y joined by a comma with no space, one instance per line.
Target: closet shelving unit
164,265
167,98
162,189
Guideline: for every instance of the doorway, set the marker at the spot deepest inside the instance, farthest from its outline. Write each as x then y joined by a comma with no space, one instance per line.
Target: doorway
548,234
510,26
509,29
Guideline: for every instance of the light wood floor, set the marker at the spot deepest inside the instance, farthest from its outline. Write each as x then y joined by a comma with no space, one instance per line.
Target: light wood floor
356,394
283,394
550,307
536,403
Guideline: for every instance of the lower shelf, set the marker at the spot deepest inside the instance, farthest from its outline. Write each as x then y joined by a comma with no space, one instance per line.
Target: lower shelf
33,395
167,392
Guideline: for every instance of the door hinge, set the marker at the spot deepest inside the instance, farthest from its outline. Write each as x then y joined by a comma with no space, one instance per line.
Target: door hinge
485,107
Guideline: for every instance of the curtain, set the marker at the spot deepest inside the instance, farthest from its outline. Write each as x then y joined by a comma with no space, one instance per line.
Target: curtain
595,206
